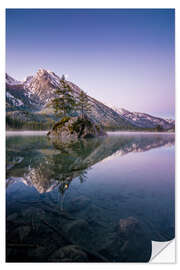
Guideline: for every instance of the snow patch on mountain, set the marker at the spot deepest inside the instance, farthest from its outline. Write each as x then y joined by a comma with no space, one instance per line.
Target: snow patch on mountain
121,111
15,101
27,81
12,81
144,120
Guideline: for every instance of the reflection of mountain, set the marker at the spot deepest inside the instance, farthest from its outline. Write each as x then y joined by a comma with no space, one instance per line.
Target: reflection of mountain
45,167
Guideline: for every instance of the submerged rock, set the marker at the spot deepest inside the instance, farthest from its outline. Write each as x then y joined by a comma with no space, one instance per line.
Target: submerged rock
71,128
130,243
79,203
23,232
70,253
39,254
128,226
78,231
12,217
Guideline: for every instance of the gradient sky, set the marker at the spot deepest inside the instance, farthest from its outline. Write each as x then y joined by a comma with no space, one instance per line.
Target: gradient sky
123,57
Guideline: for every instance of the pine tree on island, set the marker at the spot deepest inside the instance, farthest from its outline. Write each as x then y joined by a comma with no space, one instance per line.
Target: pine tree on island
84,107
64,104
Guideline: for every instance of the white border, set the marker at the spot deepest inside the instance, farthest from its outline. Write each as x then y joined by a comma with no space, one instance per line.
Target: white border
74,4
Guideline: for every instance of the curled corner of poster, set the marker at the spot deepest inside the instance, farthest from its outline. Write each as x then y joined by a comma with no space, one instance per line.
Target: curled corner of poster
163,252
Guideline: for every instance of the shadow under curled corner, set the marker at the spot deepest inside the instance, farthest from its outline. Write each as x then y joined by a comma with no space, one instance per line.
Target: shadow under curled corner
159,255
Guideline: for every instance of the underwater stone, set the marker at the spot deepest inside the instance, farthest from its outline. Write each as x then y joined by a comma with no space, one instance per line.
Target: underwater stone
70,253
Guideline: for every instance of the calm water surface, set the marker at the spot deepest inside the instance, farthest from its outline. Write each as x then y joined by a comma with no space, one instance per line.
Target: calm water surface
94,200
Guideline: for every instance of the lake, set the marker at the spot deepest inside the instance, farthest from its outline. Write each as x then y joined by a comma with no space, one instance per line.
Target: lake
96,200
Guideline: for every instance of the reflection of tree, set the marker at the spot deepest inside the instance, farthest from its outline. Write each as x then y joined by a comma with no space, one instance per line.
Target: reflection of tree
48,164
65,184
83,176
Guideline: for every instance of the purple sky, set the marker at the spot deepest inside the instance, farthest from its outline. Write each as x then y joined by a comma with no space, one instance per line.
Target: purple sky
121,57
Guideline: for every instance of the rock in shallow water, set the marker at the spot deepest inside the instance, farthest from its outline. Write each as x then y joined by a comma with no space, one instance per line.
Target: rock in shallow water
24,231
128,226
12,217
78,231
79,203
70,253
129,243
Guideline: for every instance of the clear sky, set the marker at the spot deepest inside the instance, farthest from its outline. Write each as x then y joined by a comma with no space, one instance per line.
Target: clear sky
123,57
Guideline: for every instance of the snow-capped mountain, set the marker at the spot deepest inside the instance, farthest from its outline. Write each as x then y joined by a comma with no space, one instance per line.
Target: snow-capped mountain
19,96
35,92
31,97
144,120
43,84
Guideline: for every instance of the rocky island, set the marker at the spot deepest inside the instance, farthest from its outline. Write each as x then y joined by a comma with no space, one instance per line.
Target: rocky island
72,128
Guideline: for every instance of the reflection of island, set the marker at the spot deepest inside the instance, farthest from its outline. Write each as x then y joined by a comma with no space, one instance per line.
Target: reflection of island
47,168
48,165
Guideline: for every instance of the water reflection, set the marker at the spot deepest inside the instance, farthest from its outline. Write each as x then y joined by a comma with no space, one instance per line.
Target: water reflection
45,167
36,165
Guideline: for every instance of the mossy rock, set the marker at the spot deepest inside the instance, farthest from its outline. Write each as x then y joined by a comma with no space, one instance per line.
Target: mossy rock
60,123
71,128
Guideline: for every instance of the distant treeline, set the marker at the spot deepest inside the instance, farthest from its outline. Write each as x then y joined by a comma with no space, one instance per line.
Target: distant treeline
17,124
30,125
156,129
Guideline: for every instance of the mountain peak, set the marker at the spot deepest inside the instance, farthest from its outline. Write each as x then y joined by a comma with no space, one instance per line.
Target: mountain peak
44,72
43,84
41,71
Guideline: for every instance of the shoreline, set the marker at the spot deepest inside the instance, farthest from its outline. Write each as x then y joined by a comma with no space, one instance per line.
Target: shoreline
44,132
25,132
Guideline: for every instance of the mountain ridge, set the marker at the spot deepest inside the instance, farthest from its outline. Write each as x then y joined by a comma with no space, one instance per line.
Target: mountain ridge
31,97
